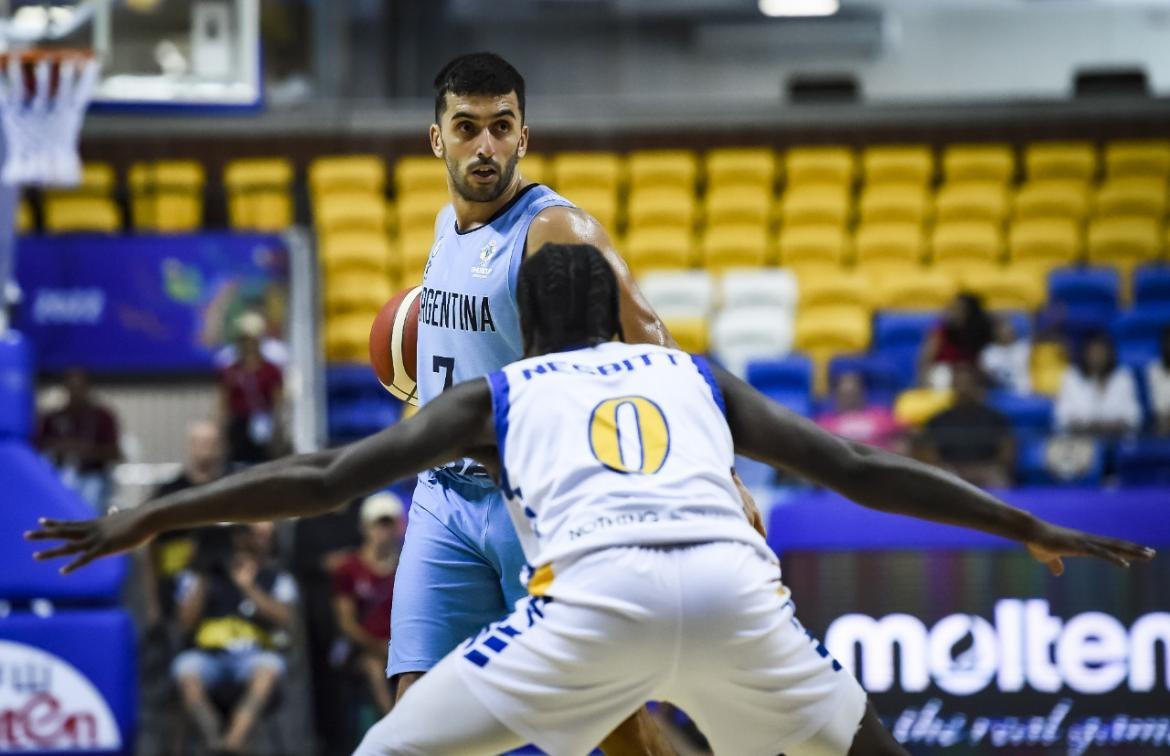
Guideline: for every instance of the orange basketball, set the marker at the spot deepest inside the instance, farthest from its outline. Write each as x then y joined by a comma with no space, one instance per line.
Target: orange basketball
394,344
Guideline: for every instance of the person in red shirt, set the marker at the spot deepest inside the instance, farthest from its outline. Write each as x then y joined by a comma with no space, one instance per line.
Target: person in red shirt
251,396
958,339
81,441
363,586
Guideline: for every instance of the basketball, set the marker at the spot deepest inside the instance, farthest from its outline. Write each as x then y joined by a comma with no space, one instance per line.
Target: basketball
394,342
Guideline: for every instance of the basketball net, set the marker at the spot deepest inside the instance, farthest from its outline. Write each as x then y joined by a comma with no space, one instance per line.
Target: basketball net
43,98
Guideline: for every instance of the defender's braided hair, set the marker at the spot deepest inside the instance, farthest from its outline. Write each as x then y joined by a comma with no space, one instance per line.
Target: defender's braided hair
567,295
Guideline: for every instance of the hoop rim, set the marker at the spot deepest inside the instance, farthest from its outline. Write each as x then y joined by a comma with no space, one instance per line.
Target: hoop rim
55,55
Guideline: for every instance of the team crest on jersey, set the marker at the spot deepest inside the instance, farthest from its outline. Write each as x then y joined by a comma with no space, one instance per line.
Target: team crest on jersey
483,270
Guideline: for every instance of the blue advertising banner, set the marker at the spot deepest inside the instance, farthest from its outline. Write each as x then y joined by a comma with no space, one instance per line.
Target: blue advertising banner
145,303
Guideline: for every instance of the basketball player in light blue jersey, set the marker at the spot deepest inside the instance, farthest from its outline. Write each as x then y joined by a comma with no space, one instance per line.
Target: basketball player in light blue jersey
461,563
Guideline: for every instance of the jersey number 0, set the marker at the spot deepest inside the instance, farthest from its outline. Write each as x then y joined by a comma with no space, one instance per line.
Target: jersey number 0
629,434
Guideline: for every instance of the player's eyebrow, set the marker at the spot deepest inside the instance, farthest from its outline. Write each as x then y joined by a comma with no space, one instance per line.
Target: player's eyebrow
505,113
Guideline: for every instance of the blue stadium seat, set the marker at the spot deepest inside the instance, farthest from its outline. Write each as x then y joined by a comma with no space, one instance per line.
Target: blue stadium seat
1033,468
1031,415
1144,462
1151,286
1021,321
1137,334
351,378
1086,298
898,337
788,380
351,419
16,386
883,377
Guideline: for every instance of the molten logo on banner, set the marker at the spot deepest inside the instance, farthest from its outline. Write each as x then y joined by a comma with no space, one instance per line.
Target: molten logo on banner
47,704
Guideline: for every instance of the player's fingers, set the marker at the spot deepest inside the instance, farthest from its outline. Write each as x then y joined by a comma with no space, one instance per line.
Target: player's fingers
1099,551
47,523
1056,566
60,551
80,561
1128,549
55,534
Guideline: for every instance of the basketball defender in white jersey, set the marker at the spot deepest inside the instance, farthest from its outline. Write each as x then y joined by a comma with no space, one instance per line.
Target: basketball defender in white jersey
649,582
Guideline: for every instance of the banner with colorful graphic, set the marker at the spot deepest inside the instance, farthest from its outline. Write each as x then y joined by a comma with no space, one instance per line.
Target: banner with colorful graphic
145,304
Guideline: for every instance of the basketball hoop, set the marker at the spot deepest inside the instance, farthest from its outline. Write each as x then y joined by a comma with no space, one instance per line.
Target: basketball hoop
43,97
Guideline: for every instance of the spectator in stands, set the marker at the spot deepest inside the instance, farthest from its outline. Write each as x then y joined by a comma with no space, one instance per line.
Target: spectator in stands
363,585
1158,381
81,440
171,552
857,419
271,348
251,398
971,439
1007,360
1097,396
958,339
237,606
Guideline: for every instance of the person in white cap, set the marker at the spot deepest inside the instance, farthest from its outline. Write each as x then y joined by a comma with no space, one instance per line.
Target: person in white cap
363,586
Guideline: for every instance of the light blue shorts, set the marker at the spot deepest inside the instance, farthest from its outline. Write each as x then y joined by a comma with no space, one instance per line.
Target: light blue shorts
215,667
459,570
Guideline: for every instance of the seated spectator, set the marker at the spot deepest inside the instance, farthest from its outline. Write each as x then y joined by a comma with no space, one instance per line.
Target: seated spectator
237,605
171,552
859,420
271,348
81,441
251,398
1097,396
971,439
363,589
958,339
1158,381
1007,360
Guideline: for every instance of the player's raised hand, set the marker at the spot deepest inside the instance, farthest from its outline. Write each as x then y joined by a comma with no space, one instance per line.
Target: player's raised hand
1051,542
90,539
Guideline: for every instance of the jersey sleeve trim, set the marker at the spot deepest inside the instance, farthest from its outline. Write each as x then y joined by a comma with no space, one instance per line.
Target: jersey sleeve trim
705,370
498,383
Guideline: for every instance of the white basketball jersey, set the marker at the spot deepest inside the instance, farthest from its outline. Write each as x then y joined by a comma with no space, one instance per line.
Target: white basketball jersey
615,445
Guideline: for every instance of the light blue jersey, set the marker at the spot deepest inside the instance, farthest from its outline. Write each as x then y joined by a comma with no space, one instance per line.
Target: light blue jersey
460,566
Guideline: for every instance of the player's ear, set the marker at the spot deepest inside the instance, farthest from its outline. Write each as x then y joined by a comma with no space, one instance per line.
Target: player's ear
522,147
436,138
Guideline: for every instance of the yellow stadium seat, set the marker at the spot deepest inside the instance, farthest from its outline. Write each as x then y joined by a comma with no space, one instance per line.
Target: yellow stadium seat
1044,243
978,162
1125,240
897,164
649,169
347,337
815,245
602,204
356,250
167,176
258,210
414,247
1131,196
886,203
738,204
823,332
966,241
355,291
414,173
167,195
881,242
350,212
418,210
25,222
817,204
661,207
1060,160
1007,288
67,214
753,167
1049,361
915,406
853,289
258,174
734,246
819,165
1139,157
1055,198
599,170
689,333
535,167
650,249
912,288
971,201
96,178
349,173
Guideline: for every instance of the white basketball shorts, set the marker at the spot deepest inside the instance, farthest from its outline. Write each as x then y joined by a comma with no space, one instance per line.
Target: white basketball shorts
707,627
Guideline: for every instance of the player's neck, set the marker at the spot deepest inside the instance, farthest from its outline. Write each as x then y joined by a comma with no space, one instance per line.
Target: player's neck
471,215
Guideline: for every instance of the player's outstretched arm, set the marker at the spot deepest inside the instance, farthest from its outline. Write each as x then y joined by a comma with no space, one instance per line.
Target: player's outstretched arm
764,430
454,425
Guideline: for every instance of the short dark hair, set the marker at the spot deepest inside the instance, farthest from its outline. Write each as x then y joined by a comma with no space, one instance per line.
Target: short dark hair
567,295
481,73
